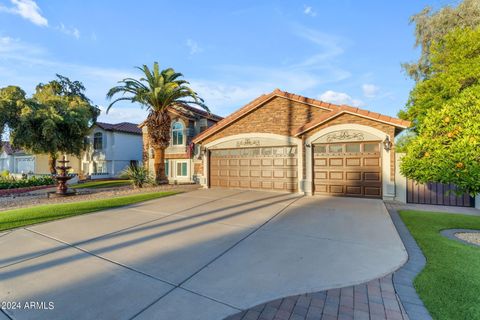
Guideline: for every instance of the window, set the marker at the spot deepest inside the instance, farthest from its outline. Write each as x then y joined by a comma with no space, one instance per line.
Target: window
203,125
335,148
166,167
370,147
181,169
98,141
320,149
177,133
353,147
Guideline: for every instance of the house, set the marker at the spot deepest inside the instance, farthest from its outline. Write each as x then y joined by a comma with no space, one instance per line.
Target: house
18,161
286,142
181,158
111,148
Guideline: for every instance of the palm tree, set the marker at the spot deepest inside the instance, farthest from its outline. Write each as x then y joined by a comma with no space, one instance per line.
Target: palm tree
157,91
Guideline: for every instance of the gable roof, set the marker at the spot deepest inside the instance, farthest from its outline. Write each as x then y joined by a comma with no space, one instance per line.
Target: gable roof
125,127
334,111
8,148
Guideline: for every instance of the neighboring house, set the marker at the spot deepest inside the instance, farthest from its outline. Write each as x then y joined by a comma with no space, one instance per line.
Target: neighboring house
286,142
111,148
18,161
181,158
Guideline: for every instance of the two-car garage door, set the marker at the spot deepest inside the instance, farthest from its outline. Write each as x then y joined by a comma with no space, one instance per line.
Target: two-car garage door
266,168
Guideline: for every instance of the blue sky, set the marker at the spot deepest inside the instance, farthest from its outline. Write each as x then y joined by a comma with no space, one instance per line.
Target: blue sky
340,51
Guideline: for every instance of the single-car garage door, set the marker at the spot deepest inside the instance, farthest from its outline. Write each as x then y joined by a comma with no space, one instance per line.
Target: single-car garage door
348,169
267,168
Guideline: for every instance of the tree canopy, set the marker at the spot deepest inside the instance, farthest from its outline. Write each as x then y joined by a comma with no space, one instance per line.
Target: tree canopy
446,108
431,26
54,120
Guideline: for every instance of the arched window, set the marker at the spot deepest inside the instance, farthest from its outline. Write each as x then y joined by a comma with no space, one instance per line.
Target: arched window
177,133
98,141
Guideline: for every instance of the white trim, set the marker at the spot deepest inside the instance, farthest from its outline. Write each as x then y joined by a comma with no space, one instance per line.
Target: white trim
388,187
287,140
184,133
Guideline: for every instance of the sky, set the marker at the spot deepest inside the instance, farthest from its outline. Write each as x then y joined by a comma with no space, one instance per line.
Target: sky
339,51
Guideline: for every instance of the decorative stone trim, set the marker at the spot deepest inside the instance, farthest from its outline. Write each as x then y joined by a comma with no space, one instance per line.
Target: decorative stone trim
450,234
403,277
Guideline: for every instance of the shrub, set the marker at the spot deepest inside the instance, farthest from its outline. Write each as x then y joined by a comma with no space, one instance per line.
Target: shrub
139,176
12,183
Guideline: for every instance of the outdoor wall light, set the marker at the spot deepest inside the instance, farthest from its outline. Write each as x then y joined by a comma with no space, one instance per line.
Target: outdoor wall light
387,144
307,145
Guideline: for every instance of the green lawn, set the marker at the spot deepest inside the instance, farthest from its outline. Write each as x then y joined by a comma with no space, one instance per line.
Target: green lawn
26,216
450,283
102,184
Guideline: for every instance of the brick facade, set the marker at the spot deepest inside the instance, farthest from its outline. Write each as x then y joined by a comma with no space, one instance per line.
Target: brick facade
278,115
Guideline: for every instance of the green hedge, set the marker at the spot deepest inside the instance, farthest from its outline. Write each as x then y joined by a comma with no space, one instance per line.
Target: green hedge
25,183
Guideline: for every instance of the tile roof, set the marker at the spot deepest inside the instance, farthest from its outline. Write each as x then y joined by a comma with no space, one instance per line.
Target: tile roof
334,109
189,110
126,127
9,149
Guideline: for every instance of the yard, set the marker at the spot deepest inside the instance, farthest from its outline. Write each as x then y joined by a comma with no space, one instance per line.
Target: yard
450,283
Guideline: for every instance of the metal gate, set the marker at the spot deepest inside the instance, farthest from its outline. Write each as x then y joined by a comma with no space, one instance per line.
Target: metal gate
436,193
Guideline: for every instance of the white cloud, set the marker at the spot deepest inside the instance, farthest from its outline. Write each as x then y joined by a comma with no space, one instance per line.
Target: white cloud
339,98
193,46
370,90
73,32
308,10
27,9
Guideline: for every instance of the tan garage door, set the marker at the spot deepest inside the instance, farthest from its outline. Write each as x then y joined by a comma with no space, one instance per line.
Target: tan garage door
348,169
267,168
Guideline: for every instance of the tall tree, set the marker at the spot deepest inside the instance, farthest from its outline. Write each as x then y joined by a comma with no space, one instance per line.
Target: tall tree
12,100
157,91
431,26
55,120
447,108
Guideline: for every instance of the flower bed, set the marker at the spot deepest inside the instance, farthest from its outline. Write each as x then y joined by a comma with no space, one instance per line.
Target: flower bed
10,183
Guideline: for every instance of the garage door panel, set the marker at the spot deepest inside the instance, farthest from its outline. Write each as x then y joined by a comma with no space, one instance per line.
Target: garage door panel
348,169
353,162
373,191
336,175
335,162
267,168
354,176
354,190
371,176
322,162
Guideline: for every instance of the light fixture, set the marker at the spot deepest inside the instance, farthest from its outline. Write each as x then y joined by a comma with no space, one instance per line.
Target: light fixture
387,144
307,145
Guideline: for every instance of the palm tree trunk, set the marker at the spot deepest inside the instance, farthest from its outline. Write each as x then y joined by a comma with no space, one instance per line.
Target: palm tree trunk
52,163
159,166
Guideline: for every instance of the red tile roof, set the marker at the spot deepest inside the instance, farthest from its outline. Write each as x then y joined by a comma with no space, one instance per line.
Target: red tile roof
8,148
334,109
126,127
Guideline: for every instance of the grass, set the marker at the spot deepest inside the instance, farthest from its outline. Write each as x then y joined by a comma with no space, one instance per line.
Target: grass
102,184
450,283
27,216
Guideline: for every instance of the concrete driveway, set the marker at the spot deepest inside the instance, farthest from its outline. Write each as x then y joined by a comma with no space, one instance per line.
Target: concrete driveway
200,255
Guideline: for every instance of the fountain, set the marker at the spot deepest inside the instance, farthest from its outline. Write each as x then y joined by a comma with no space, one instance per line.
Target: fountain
62,177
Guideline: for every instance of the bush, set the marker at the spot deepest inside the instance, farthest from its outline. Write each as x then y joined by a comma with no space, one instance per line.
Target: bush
12,183
139,176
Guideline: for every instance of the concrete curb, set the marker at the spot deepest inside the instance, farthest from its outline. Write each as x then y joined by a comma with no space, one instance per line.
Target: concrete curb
403,277
450,234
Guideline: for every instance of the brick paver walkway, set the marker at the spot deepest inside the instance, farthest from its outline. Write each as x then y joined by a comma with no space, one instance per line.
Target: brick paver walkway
373,300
